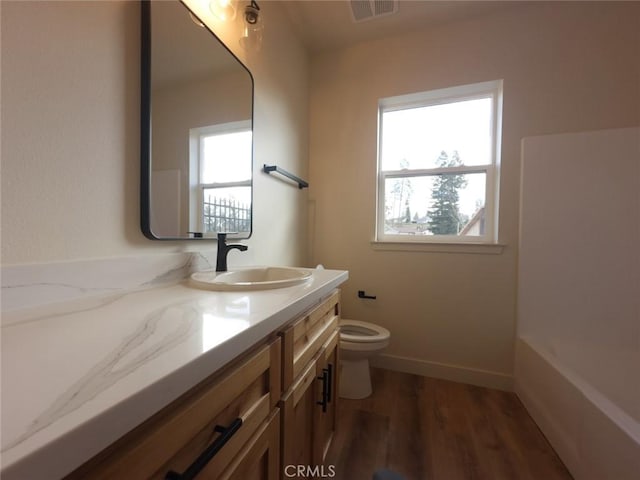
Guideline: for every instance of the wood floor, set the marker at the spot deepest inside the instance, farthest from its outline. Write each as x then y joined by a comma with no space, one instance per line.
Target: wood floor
428,429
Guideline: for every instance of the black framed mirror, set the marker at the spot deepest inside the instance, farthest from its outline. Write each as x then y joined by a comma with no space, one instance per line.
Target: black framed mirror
196,129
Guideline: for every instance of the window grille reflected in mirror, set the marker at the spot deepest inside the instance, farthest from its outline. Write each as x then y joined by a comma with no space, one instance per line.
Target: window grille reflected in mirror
438,165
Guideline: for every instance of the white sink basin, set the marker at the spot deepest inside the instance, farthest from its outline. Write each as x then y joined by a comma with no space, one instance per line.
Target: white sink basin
261,278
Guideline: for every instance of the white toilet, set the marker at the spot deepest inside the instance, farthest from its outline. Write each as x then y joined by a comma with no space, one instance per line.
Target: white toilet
358,342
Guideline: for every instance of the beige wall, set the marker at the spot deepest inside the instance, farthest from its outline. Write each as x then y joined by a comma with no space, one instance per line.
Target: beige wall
225,99
566,67
70,135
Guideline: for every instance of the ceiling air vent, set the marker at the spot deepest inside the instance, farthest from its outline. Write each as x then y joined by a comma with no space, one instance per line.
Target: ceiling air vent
362,10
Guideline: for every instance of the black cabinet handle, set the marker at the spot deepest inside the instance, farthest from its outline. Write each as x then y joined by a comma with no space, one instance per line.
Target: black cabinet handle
325,391
210,452
329,381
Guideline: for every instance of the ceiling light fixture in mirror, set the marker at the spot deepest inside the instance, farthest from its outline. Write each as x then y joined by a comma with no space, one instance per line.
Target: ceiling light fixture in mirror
253,27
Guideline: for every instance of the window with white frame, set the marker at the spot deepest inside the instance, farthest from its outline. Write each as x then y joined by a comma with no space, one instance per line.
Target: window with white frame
220,183
438,165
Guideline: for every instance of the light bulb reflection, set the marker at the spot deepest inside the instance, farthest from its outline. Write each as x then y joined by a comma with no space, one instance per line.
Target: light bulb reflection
223,9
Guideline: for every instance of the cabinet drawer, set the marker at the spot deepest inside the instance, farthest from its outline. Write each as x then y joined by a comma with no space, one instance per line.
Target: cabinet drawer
304,338
172,439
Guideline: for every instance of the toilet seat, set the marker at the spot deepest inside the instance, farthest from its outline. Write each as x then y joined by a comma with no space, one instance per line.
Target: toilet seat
355,331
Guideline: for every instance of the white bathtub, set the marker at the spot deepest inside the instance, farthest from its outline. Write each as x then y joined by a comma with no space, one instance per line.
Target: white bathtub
593,425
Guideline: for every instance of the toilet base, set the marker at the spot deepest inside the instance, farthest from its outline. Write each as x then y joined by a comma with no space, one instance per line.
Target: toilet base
355,379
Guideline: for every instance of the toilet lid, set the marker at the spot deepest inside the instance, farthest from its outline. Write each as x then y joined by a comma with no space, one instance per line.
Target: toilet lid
362,332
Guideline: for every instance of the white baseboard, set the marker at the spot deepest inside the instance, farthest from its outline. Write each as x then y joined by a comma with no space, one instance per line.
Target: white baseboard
455,373
561,442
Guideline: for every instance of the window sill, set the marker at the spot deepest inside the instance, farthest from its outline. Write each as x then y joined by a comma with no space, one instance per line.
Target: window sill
474,248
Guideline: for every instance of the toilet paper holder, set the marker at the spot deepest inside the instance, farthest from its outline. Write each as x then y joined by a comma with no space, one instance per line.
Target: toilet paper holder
362,294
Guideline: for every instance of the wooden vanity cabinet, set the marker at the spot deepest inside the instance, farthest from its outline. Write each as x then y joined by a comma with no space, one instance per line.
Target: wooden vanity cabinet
240,417
238,403
310,376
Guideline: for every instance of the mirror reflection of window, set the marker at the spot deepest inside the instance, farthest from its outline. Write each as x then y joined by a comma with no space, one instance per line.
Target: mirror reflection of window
221,156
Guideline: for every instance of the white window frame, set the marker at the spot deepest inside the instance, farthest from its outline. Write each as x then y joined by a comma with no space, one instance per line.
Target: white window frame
196,147
491,89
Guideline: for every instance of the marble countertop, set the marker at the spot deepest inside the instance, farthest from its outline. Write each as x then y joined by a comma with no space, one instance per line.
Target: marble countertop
78,375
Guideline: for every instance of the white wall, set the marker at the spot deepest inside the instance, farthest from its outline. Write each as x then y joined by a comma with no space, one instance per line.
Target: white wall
568,66
70,135
579,266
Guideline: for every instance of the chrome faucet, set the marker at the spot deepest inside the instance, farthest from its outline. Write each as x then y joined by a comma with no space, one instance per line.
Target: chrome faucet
223,250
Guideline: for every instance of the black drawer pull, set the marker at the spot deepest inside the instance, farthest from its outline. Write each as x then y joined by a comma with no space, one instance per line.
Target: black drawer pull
329,381
208,454
325,391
